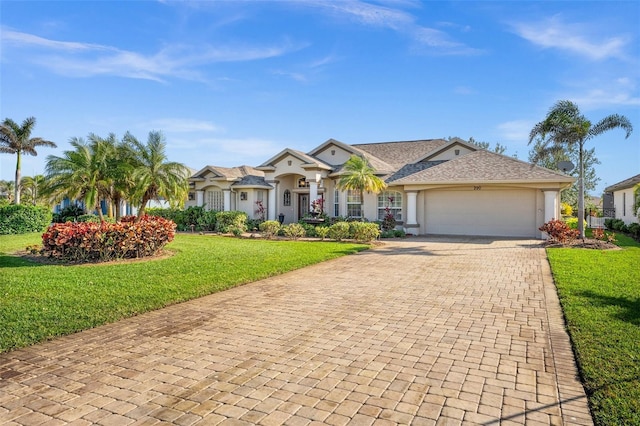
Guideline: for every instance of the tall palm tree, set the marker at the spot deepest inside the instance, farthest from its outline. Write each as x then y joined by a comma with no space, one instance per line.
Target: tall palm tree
81,174
16,139
360,176
33,187
153,175
564,127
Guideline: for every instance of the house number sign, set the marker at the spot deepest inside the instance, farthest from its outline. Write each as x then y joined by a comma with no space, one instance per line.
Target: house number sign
477,188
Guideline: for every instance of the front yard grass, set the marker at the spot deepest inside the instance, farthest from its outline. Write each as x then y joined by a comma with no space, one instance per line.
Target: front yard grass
600,296
41,301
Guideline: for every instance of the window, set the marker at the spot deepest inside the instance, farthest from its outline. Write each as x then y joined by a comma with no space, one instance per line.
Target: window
260,196
336,203
302,183
354,208
390,202
286,201
192,196
243,196
624,204
215,200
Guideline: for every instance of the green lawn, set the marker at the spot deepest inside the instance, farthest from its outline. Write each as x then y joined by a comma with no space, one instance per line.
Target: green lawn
600,296
38,302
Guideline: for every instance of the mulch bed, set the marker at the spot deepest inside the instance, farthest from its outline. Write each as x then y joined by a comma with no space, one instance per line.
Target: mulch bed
587,243
47,260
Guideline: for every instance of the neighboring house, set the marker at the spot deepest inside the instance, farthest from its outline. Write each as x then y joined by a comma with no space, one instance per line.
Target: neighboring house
434,187
223,189
623,197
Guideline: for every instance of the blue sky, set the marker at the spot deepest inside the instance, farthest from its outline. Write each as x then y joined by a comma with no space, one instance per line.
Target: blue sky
235,82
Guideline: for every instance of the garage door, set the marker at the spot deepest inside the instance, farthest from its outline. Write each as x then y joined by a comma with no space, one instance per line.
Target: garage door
507,213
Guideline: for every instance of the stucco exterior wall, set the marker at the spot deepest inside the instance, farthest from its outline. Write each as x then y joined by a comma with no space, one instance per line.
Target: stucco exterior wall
623,201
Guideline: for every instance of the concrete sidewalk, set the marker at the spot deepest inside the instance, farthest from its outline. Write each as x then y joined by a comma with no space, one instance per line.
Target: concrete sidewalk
420,331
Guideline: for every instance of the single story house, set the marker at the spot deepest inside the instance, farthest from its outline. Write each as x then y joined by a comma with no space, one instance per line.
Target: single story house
435,186
623,196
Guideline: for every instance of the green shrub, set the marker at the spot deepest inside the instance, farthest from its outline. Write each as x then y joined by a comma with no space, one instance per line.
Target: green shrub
309,229
616,225
322,231
206,221
269,228
233,221
396,233
254,224
634,230
88,218
68,214
294,231
339,231
364,231
572,223
90,241
21,219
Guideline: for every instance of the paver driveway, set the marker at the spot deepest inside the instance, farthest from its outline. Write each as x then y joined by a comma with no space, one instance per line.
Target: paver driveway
422,331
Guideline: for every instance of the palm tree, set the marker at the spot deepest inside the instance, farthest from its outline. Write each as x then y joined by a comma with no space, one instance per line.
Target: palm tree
15,139
120,170
33,187
360,176
565,127
81,174
7,188
153,175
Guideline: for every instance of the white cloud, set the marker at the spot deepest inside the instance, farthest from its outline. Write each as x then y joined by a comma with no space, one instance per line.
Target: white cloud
464,90
365,13
393,18
554,33
182,125
173,61
515,131
597,98
225,152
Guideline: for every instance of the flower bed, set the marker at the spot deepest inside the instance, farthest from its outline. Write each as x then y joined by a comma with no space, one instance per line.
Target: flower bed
101,242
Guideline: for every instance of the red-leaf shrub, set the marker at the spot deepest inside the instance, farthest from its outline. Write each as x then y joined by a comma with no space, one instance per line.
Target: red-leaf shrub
127,239
559,231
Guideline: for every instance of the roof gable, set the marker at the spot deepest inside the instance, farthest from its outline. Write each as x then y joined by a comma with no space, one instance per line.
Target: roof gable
483,166
398,154
450,150
225,173
306,161
333,152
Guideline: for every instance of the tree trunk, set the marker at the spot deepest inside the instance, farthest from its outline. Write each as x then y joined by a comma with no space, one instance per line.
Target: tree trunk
581,191
17,183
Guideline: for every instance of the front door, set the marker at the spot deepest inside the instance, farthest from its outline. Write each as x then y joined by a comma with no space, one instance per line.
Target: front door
303,205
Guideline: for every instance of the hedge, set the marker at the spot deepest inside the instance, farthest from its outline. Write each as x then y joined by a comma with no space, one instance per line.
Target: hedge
21,219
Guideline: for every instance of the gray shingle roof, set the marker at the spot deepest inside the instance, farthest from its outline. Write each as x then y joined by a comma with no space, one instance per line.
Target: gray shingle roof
238,174
483,166
252,181
627,183
410,169
397,154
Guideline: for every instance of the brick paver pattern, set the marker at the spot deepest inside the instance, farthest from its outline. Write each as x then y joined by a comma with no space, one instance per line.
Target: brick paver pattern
422,331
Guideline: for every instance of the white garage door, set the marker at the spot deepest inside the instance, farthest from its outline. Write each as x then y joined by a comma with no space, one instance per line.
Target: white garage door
506,213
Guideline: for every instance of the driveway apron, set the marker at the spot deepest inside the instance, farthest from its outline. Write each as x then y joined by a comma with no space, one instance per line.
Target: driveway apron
421,331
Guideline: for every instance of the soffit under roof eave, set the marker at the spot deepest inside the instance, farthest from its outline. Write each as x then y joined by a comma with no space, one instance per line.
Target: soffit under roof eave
255,186
307,166
266,168
562,184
